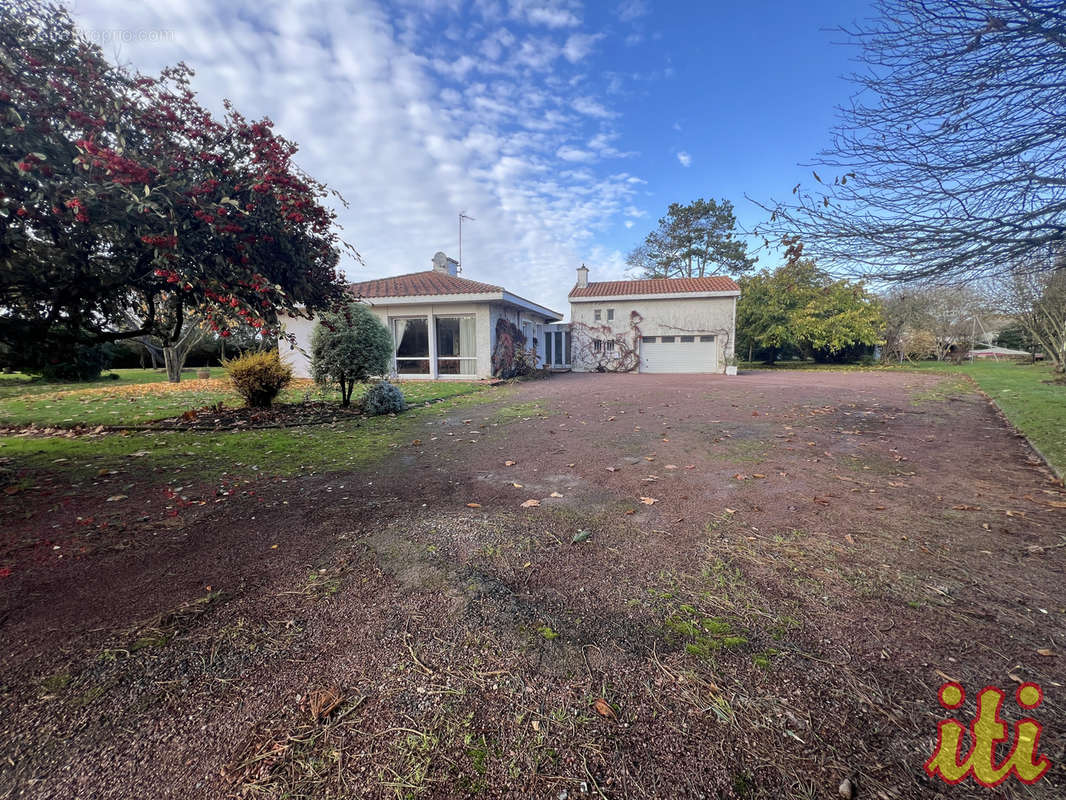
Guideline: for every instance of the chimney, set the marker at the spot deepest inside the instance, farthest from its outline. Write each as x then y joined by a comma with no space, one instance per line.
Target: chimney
442,263
582,277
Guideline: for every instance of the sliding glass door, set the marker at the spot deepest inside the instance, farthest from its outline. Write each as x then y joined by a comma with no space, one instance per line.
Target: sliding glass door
411,335
456,345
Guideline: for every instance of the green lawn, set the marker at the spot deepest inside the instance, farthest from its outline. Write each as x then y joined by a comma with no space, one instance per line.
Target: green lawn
279,452
139,396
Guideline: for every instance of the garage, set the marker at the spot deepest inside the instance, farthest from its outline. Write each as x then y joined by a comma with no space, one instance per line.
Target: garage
678,354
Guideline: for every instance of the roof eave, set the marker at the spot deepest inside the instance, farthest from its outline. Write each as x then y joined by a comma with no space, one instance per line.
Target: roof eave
444,299
653,296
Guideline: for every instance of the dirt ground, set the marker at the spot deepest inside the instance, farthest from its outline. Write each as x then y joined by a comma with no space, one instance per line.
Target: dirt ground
731,588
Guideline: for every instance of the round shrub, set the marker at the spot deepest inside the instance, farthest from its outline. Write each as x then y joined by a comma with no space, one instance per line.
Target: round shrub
348,347
258,377
383,398
79,362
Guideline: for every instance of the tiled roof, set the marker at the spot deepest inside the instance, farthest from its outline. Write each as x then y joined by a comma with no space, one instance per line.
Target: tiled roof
418,284
714,283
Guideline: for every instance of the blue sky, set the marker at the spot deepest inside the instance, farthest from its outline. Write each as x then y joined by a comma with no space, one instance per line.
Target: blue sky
564,128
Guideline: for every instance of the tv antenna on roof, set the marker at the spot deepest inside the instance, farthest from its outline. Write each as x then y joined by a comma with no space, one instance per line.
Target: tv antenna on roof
462,215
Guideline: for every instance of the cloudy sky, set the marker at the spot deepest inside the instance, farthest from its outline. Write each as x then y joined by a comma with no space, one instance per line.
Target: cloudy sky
564,129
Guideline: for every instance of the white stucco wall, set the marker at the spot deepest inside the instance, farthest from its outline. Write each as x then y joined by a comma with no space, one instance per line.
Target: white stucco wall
300,357
661,317
518,317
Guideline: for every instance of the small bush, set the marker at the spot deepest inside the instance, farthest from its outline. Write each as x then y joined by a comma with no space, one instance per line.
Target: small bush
74,363
259,377
383,398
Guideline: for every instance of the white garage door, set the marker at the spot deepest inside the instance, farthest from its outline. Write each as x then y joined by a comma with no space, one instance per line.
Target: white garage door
678,354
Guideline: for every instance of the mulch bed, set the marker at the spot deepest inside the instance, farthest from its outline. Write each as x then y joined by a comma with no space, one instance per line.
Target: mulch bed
212,418
220,417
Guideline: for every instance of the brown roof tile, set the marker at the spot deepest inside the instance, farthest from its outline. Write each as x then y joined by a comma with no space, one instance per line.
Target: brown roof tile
418,284
714,283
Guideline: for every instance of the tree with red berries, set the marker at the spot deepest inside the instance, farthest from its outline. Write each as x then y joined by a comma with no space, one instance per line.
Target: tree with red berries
125,206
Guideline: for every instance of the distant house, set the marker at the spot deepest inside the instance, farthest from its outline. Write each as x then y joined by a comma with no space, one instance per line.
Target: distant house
661,325
443,326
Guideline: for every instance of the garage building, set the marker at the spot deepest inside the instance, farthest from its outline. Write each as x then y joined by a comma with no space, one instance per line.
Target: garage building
657,325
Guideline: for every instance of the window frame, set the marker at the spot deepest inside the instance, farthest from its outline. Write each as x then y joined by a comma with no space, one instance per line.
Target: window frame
427,359
458,360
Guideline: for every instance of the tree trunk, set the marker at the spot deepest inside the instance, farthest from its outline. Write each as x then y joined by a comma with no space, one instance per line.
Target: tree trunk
173,363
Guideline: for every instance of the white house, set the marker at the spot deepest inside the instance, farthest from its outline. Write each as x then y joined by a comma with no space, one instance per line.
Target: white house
661,325
443,326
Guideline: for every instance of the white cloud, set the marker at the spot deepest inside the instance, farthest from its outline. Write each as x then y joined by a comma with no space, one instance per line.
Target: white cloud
552,17
684,158
591,107
411,129
579,45
630,10
568,153
629,223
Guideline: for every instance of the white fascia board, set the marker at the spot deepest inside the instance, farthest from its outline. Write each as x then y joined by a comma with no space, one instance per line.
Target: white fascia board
482,297
521,302
431,299
619,298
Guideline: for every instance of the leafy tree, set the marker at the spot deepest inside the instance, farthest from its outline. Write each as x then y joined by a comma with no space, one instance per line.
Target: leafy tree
1037,300
124,205
348,347
801,307
950,162
1016,337
692,241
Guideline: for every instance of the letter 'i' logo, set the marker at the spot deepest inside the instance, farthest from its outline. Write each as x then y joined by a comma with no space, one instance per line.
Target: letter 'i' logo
987,731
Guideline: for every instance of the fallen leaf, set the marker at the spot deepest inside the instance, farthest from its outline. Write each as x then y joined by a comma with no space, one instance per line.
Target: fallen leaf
517,485
580,536
1056,504
849,538
273,547
612,469
473,505
757,475
530,503
670,466
690,466
1043,651
648,500
603,708
555,494
508,463
731,511
116,497
740,477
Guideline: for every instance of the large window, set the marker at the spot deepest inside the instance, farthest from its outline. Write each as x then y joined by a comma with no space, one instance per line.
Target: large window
412,345
456,345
